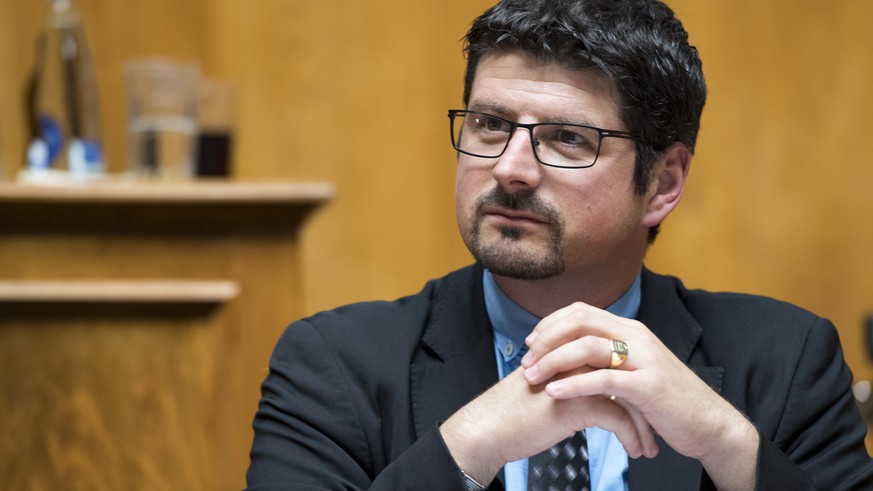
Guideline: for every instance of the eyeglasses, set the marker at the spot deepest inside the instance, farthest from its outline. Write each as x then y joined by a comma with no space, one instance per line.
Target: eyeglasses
564,145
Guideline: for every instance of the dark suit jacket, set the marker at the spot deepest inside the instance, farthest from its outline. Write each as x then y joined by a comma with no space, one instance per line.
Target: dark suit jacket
354,395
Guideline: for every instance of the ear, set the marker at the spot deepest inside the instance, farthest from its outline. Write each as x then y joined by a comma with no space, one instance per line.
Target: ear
667,184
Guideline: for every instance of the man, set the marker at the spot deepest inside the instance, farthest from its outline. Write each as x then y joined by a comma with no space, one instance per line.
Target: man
574,145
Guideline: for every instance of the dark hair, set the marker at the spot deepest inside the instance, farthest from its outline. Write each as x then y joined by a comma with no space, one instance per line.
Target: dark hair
639,44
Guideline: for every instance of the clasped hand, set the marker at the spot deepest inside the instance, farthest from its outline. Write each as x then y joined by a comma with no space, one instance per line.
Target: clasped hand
569,356
565,385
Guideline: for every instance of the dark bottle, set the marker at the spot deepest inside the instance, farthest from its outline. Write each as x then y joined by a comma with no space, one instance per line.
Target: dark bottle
63,101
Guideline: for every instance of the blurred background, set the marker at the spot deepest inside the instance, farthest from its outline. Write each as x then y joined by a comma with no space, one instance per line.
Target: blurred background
779,200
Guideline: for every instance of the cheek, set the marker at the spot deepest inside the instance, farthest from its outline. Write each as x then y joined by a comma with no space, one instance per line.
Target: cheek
461,211
600,213
470,183
465,196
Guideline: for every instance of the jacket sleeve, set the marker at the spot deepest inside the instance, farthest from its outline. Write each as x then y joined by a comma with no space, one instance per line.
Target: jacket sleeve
309,433
819,442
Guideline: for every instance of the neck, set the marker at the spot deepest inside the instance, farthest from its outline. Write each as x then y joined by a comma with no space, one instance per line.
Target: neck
542,297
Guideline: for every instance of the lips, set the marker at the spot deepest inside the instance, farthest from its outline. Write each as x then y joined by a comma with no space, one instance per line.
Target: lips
514,217
517,210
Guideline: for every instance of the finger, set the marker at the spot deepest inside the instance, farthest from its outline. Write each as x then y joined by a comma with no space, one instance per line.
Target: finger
579,386
608,416
647,434
594,382
552,331
572,323
590,351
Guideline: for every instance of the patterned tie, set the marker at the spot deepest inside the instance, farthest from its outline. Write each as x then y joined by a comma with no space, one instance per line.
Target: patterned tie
563,467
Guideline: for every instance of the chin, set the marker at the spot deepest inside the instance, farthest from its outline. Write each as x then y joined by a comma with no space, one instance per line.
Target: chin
519,261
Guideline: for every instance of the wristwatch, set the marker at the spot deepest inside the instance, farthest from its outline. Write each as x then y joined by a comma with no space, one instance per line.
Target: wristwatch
471,484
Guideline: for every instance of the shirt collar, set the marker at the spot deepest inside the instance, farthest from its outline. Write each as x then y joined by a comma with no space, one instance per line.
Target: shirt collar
512,324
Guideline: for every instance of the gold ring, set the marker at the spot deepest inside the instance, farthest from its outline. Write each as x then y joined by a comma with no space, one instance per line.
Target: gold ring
618,354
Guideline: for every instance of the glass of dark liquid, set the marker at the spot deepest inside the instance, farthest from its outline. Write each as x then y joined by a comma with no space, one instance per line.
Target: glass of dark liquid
216,118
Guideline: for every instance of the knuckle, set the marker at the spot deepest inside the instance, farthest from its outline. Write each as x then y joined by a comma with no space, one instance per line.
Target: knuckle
591,343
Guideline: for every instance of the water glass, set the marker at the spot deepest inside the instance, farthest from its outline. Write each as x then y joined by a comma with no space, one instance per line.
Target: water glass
162,98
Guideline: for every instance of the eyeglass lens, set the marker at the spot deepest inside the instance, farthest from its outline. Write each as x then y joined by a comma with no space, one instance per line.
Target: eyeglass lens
561,145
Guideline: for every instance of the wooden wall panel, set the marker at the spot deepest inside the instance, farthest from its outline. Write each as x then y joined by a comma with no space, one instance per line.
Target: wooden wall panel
67,431
356,93
779,199
18,23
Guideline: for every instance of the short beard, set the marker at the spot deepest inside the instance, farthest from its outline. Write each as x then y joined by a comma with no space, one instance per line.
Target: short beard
509,256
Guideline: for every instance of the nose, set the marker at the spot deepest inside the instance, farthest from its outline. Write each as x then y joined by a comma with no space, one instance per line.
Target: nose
518,167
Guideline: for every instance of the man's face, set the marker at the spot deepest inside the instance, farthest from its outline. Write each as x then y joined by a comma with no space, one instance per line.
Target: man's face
524,220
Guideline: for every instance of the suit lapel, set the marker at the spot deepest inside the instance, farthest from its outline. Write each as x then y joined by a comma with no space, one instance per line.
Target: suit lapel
664,313
457,361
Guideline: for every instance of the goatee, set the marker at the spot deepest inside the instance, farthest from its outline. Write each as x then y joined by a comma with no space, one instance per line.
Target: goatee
509,255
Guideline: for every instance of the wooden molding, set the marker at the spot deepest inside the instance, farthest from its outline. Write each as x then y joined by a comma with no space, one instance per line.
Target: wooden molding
122,207
133,291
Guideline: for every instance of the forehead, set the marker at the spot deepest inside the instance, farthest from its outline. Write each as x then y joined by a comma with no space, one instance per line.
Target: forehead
521,86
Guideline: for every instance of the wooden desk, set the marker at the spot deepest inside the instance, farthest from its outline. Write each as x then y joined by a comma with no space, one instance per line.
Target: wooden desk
136,322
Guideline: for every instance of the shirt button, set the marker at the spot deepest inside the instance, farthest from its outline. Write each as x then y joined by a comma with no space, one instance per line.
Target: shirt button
508,349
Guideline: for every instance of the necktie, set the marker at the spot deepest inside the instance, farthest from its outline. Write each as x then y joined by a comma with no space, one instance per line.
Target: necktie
563,467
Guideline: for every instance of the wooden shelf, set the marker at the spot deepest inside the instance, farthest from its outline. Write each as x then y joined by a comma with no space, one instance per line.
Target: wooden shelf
132,292
201,191
199,207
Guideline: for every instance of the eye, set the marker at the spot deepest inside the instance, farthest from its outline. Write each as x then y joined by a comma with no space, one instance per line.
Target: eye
570,137
484,122
574,138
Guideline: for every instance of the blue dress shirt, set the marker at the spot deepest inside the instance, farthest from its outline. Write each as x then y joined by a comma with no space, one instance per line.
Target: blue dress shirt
607,460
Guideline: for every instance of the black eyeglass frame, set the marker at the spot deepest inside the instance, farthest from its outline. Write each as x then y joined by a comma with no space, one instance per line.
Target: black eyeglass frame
601,134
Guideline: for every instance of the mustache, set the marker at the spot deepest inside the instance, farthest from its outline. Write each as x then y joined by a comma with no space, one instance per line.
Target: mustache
520,201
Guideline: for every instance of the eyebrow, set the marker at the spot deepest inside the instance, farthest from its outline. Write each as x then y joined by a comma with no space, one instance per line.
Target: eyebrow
490,107
497,109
